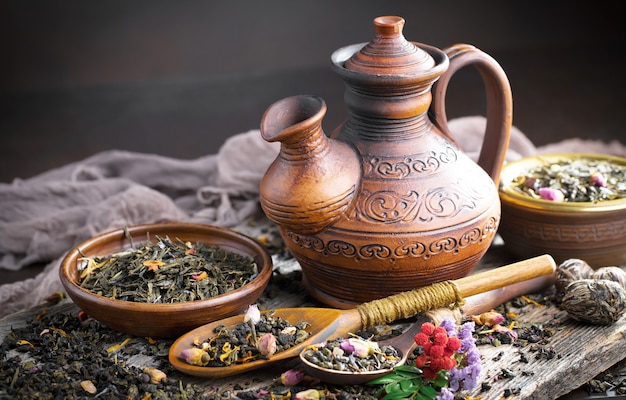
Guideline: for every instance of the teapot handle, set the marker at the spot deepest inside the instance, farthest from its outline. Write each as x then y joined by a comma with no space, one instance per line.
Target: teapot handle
499,104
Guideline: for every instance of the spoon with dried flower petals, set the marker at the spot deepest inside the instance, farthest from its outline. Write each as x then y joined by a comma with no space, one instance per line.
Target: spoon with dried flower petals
405,343
326,323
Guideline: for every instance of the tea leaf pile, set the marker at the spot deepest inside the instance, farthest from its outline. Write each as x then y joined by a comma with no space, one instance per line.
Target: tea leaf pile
167,272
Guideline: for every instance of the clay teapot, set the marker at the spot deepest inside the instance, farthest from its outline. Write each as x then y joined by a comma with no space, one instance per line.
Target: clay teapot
388,202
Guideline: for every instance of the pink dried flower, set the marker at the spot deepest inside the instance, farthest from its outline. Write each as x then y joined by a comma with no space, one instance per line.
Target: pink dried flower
551,194
291,377
597,179
489,318
267,345
195,356
359,347
253,314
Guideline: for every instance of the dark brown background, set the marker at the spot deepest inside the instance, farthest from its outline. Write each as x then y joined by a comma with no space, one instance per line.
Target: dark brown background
178,78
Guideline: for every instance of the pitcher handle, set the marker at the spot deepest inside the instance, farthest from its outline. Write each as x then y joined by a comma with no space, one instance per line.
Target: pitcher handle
499,104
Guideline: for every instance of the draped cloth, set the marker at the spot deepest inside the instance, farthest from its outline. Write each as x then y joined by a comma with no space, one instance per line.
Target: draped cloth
43,217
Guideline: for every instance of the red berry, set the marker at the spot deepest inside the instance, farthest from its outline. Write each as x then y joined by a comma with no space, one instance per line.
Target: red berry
453,343
449,363
428,328
421,339
420,361
440,338
436,351
438,363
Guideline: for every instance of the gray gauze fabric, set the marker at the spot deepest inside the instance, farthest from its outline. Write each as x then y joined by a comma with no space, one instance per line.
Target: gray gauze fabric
43,217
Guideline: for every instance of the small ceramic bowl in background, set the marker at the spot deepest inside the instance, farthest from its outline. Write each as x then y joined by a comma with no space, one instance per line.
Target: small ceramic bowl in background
594,232
173,319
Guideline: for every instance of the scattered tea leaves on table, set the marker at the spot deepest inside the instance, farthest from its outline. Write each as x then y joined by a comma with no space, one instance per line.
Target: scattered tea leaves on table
59,356
167,271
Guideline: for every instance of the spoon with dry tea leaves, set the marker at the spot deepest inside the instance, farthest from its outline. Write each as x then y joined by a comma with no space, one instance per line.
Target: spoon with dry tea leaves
400,347
325,323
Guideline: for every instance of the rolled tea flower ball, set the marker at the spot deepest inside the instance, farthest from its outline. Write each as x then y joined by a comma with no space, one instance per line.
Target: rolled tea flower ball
569,271
615,274
594,301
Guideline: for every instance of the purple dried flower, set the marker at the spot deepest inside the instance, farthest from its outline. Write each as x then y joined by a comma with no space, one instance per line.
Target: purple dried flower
445,394
360,348
449,324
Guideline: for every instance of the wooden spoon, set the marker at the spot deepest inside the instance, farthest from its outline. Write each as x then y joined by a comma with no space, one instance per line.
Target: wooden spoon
327,323
404,343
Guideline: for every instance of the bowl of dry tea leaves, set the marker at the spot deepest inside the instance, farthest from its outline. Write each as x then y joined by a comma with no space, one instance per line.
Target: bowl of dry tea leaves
568,205
162,280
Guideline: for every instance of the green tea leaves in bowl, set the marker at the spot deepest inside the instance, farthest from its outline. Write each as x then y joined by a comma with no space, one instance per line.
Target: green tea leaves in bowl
574,180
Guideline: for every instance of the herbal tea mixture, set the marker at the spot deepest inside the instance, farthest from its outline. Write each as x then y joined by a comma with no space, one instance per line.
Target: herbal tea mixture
352,354
574,180
166,271
258,337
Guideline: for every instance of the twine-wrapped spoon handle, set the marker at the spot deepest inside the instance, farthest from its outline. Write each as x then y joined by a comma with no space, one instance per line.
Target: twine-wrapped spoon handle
451,293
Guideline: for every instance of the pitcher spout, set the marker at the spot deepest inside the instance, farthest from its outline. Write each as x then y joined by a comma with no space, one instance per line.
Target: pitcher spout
313,180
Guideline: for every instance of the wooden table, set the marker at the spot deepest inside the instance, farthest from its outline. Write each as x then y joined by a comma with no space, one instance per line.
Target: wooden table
577,352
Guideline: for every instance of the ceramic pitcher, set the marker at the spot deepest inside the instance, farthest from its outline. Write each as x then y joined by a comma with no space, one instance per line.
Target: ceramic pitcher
388,202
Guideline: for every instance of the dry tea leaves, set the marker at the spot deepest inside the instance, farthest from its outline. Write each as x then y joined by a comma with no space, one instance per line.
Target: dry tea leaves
611,273
61,356
595,301
240,344
571,270
579,180
166,271
353,354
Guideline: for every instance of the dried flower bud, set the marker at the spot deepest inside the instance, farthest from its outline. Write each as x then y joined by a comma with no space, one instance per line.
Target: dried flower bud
598,302
195,356
156,375
597,179
267,345
490,318
551,194
253,314
615,274
291,377
569,271
359,347
55,298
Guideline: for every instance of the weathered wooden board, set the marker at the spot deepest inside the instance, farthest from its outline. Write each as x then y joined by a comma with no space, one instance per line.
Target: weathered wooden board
580,351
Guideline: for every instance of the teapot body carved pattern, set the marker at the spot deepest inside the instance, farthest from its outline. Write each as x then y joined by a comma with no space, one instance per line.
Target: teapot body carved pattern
388,202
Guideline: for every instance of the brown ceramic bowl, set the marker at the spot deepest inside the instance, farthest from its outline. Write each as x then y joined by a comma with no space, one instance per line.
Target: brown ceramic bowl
165,320
594,232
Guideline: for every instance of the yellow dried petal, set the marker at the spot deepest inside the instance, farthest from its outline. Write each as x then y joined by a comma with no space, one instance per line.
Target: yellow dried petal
531,301
153,265
61,331
41,314
25,342
116,347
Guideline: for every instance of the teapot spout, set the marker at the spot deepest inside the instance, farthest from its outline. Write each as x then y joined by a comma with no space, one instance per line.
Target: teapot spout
313,180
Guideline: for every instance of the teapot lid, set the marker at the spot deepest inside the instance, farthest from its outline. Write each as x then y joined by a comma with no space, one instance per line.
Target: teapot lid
389,52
